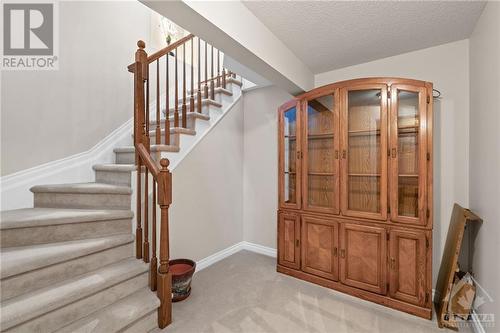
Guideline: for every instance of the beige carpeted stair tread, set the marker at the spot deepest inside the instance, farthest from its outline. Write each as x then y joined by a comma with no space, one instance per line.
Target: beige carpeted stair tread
37,217
23,308
17,260
131,149
173,130
113,167
118,315
82,188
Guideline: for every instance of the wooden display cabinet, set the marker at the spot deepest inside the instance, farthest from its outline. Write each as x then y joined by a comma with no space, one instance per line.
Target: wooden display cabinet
355,190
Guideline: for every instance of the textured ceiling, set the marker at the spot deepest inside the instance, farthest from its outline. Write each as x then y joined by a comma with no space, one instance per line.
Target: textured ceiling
330,35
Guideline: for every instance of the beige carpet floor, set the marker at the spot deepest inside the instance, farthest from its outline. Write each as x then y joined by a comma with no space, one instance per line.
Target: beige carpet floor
244,293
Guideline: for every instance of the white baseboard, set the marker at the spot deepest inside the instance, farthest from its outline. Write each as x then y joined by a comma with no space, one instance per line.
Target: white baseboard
218,256
76,168
261,249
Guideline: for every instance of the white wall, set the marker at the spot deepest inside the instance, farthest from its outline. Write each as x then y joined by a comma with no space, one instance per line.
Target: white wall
447,66
260,171
49,115
206,215
485,151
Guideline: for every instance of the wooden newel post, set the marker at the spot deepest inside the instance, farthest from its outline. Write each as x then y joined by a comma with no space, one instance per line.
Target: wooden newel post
164,282
140,75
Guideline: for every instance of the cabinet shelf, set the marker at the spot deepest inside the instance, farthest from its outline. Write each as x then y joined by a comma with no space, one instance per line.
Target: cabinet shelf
363,174
408,129
408,175
320,136
367,132
312,173
312,136
321,173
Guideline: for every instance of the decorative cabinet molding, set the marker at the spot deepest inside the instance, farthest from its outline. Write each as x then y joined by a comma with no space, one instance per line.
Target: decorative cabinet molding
355,190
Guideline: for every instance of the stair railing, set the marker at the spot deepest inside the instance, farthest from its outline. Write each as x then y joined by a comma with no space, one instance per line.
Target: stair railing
160,278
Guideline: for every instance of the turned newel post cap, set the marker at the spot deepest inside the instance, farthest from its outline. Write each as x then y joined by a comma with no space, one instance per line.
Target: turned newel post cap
164,163
141,44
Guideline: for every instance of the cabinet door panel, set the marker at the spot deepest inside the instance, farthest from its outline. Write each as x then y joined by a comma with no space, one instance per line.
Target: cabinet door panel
407,266
408,144
320,167
363,257
363,148
288,240
319,247
289,141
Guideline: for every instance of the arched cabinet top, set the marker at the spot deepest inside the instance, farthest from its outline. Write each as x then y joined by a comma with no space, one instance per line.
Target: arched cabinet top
331,87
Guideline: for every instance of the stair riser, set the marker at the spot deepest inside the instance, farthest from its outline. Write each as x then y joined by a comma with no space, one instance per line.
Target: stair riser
64,232
223,99
191,121
205,109
43,277
145,324
82,200
65,315
113,177
125,158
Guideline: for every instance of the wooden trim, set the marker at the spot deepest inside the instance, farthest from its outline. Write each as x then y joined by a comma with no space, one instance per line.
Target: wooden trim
423,312
348,83
430,152
351,219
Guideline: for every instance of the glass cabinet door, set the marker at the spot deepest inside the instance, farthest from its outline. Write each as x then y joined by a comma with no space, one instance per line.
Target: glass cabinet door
408,154
289,157
321,181
364,146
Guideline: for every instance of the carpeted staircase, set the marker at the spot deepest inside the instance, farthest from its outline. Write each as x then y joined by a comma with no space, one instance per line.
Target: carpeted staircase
68,264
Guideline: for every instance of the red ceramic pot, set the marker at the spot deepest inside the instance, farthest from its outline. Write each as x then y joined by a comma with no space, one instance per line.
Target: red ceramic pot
182,273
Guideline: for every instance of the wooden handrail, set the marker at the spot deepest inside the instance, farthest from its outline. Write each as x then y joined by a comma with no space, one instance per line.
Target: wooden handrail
164,51
160,278
148,160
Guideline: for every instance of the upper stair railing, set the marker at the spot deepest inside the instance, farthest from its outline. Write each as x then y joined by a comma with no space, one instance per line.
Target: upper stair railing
146,69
